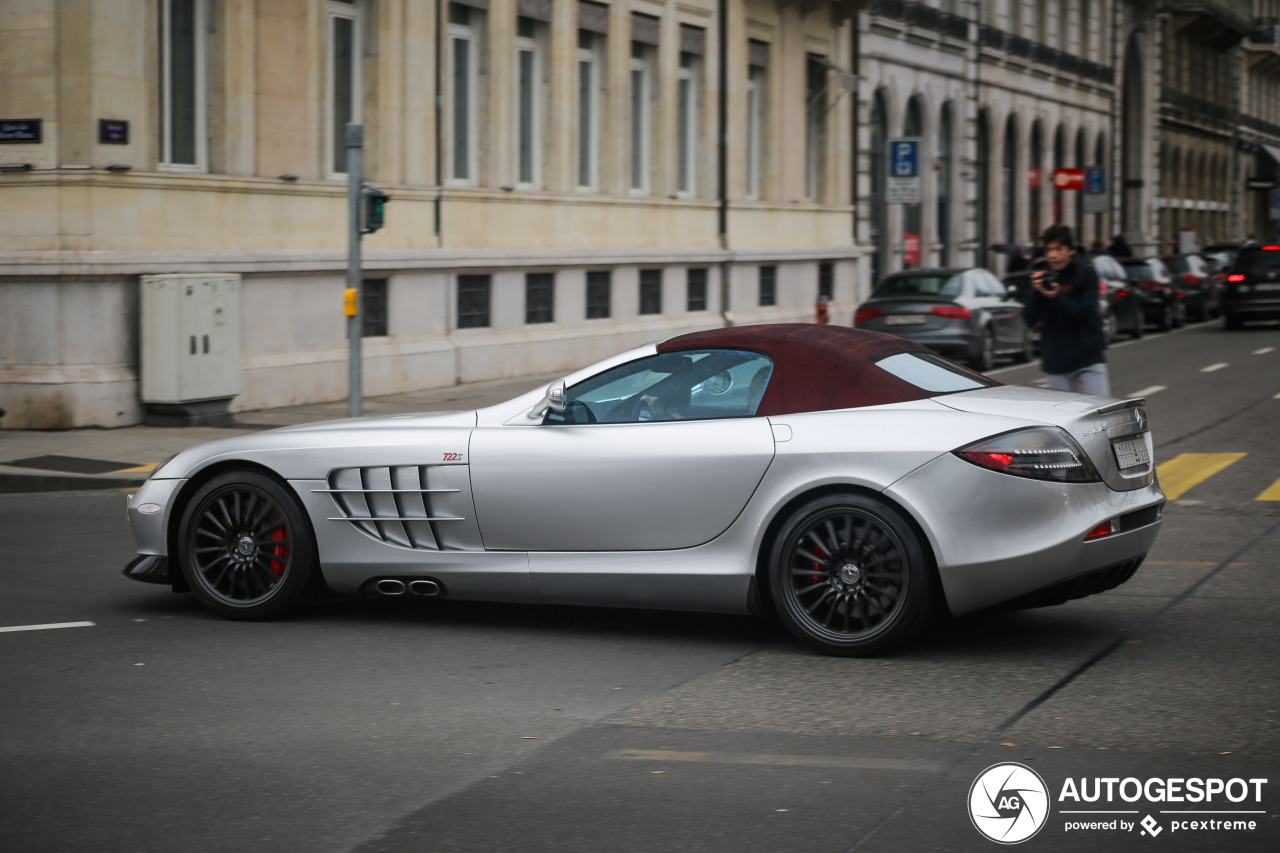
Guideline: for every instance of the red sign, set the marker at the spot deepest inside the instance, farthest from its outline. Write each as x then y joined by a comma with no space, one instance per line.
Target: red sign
1033,177
1068,179
910,248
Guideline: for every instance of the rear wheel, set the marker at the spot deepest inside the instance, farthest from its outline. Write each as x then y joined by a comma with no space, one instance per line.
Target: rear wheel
986,356
1108,328
1165,321
1139,324
246,548
849,576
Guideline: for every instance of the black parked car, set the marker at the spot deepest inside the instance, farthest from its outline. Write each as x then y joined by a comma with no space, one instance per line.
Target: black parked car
1253,286
1124,314
1162,302
965,314
1201,292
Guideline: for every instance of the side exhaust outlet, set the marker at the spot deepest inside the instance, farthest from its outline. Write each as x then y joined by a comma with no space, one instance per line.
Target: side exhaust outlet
390,586
424,588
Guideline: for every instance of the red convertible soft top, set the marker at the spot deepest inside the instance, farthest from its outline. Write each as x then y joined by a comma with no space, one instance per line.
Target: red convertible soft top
815,368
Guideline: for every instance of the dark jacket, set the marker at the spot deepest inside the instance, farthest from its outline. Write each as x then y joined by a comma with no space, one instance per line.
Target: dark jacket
1071,322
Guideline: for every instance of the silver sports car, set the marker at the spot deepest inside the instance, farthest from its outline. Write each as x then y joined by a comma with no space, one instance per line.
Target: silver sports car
851,482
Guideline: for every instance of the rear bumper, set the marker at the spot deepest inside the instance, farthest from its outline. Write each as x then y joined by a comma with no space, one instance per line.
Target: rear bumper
1023,536
1252,309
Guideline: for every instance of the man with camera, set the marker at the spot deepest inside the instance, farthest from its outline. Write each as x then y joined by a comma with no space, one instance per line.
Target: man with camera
1065,301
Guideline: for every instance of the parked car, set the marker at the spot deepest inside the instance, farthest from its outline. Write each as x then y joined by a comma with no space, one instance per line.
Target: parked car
1230,248
1124,313
1162,303
854,483
1201,292
1253,286
965,314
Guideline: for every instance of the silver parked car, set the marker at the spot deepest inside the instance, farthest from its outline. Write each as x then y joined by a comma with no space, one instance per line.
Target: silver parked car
965,314
848,480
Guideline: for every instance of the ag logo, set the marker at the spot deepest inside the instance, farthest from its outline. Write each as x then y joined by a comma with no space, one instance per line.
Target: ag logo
1008,803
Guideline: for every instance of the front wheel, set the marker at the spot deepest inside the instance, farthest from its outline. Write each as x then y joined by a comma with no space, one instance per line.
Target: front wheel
246,548
849,576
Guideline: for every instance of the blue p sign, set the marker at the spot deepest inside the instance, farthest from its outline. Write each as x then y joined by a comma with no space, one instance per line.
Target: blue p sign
904,159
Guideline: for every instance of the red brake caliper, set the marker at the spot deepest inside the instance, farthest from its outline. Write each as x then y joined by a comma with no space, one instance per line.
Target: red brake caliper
281,550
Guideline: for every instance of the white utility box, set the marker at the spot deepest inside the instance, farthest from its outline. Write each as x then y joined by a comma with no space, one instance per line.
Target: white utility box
190,346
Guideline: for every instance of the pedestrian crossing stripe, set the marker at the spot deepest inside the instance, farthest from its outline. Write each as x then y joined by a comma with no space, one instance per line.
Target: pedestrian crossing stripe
1186,470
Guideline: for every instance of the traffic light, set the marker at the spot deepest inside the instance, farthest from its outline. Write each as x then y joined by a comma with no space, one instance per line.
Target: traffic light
373,209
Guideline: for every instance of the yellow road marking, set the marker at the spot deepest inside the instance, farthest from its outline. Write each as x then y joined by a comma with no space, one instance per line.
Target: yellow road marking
1272,493
140,469
1186,470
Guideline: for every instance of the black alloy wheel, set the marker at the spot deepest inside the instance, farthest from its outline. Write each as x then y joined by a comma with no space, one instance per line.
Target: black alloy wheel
986,357
246,548
849,576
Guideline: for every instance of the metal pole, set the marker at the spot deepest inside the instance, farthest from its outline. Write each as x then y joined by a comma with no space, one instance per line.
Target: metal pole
355,167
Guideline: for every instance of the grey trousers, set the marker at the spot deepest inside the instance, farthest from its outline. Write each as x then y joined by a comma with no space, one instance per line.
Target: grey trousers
1088,380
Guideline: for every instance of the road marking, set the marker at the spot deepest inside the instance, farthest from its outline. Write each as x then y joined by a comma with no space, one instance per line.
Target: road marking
140,469
47,627
1147,392
1264,350
1213,367
1272,493
848,762
1186,470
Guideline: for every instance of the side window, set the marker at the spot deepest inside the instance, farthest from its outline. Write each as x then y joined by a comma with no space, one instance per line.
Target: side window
674,386
988,285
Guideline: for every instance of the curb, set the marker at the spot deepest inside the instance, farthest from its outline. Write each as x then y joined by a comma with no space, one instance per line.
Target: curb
17,484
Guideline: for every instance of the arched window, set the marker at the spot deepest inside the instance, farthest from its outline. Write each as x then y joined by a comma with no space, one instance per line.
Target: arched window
912,218
982,168
1036,179
876,165
1081,163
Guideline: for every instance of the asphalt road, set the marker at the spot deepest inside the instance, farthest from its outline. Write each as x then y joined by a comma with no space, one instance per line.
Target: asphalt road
394,725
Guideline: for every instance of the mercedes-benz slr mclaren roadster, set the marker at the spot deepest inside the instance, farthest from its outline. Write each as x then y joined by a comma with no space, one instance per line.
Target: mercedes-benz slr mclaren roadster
852,482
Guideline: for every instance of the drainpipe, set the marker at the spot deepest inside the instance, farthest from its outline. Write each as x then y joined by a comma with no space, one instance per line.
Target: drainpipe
439,111
722,153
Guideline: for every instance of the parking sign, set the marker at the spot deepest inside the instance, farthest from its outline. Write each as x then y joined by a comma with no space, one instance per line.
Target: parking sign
902,183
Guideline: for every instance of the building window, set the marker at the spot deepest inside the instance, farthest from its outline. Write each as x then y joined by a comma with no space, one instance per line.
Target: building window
528,101
757,119
462,93
650,291
769,285
539,297
474,292
184,30
815,126
696,289
641,114
589,52
826,282
373,307
688,100
599,294
345,102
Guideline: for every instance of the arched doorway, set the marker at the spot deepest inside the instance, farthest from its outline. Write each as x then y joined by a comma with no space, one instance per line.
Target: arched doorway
944,186
1009,205
1036,178
982,176
912,218
876,165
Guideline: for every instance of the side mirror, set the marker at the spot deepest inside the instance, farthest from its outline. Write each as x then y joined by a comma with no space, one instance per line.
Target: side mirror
553,401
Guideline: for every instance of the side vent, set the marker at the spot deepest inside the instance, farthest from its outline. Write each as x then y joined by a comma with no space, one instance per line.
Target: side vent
397,505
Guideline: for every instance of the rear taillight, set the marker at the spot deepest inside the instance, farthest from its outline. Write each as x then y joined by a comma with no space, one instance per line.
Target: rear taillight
1149,285
1236,277
866,314
1039,453
1106,528
1271,248
1121,294
954,312
1188,278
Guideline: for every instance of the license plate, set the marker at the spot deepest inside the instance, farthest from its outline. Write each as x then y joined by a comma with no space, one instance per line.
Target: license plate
904,319
1131,452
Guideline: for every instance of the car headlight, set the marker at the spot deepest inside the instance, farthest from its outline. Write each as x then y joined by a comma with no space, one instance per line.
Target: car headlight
1039,453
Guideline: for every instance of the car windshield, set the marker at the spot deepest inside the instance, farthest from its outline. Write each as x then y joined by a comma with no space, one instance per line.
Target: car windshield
932,373
1139,269
919,285
1177,264
1258,260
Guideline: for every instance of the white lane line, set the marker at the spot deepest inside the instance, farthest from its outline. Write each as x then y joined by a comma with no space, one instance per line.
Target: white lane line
47,627
1276,397
1211,368
1264,350
1147,392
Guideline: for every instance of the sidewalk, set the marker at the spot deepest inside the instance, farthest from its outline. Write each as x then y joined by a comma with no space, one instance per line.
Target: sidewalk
54,461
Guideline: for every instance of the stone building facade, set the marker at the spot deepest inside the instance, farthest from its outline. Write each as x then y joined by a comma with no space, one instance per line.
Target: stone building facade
555,170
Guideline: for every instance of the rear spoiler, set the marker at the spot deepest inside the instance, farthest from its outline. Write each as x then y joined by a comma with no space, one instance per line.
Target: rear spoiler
1121,405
